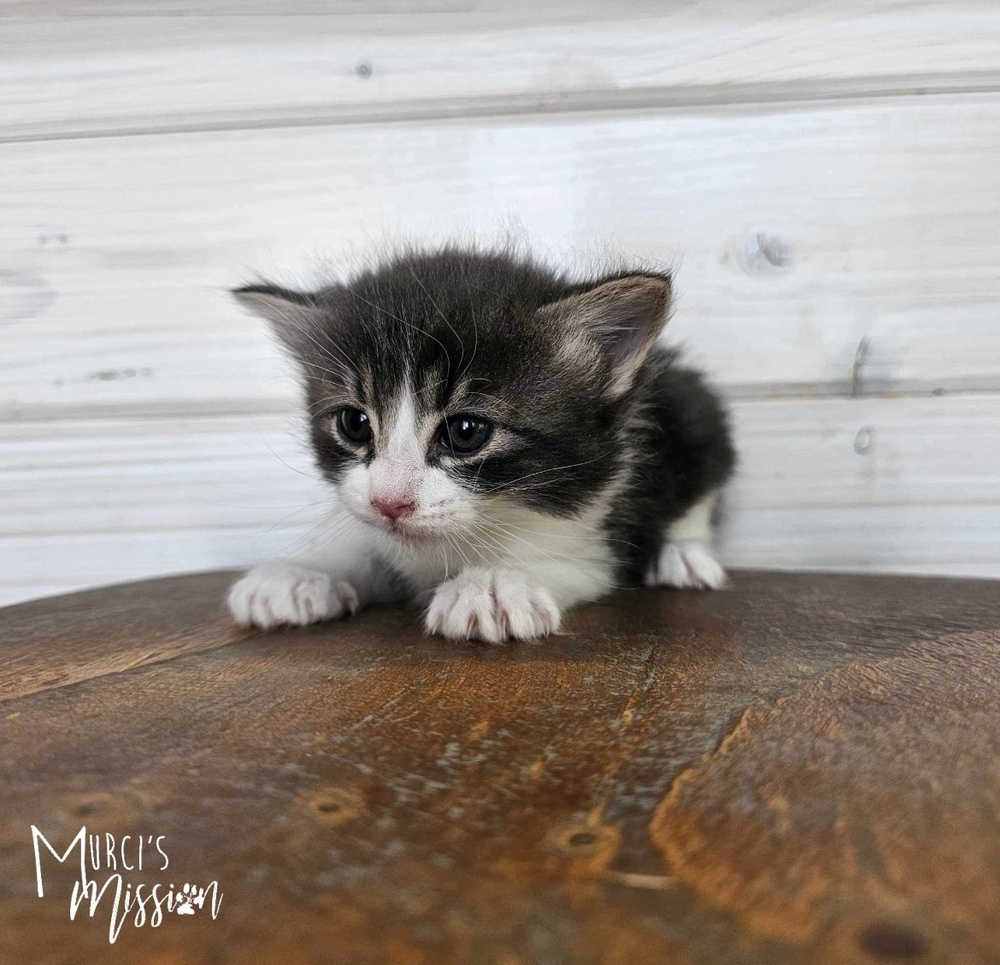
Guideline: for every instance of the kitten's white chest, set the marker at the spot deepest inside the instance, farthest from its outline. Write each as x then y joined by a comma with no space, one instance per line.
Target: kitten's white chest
569,557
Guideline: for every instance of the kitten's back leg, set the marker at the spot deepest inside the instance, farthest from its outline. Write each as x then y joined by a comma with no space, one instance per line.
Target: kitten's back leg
686,560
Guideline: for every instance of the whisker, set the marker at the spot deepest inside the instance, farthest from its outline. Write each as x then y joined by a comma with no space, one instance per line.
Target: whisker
574,465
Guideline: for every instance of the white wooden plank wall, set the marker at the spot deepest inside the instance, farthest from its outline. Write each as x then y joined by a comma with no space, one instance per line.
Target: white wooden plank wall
823,175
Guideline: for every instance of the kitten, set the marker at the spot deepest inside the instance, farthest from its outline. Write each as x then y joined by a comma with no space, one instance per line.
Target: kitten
505,443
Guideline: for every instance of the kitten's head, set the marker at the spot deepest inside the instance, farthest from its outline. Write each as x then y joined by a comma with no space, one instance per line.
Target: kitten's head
444,386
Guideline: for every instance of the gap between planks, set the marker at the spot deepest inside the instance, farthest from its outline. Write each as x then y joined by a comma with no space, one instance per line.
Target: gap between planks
778,97
41,414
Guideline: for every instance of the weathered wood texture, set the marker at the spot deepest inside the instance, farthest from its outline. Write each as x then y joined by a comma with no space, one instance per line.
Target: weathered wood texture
192,64
801,769
795,234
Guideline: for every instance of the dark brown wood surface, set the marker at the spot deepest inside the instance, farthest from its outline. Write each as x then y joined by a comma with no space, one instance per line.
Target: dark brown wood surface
799,769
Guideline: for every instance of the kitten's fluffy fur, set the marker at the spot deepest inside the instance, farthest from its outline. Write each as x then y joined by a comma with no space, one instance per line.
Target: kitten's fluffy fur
601,470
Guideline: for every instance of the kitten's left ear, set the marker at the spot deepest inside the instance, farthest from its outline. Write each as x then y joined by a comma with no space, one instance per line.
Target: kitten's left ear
289,313
614,324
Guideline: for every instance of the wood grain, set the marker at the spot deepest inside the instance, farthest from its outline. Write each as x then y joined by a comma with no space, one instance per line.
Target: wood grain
186,65
887,484
801,769
795,235
50,650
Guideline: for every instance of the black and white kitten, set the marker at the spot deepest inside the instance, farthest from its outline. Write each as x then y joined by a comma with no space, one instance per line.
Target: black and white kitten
505,443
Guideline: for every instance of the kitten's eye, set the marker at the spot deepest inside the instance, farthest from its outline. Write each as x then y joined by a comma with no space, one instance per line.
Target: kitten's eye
462,435
354,425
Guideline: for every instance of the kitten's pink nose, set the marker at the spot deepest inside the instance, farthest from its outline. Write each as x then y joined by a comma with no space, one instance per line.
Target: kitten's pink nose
393,508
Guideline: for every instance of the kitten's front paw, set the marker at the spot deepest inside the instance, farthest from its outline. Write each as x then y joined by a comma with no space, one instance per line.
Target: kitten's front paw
687,563
492,605
286,594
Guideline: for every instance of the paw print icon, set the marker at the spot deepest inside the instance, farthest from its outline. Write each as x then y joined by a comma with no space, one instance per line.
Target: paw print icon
189,898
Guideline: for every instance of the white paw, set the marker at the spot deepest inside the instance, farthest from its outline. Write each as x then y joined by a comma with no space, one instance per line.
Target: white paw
492,605
286,594
687,563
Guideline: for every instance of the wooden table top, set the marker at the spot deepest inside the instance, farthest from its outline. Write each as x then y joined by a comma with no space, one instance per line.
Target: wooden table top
804,768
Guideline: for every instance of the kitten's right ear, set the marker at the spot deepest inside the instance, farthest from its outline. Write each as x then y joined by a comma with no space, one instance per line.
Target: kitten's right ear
289,313
613,324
